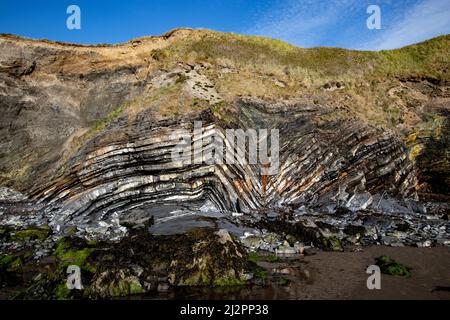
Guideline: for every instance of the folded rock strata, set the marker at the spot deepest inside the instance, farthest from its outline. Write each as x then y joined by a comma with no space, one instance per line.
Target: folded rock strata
89,134
131,165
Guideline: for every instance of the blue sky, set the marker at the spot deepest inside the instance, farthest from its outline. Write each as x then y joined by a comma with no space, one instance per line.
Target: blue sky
306,23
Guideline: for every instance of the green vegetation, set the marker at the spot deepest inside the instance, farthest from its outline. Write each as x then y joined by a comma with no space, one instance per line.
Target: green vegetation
159,54
125,287
257,52
255,257
136,289
53,283
37,233
62,292
10,263
219,111
262,274
429,58
199,104
391,267
198,279
229,281
202,279
366,75
74,256
99,126
332,243
393,114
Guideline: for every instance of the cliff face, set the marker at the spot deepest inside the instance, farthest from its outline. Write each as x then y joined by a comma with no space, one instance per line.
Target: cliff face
87,130
88,175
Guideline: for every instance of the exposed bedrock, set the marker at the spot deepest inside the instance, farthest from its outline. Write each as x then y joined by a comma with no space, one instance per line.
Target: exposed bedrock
130,164
88,132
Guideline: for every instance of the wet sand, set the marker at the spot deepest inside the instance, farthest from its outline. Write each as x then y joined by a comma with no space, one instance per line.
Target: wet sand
342,275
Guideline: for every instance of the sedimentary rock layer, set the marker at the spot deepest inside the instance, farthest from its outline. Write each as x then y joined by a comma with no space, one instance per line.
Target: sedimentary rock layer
131,165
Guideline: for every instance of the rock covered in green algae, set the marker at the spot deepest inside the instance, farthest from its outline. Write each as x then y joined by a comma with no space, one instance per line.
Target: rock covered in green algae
115,283
391,267
33,233
141,263
332,243
214,259
10,266
48,276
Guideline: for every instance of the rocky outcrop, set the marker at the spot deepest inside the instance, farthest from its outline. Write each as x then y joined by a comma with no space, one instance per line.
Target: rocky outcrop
430,151
138,264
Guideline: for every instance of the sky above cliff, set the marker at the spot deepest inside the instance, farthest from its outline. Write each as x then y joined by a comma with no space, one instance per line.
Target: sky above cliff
306,23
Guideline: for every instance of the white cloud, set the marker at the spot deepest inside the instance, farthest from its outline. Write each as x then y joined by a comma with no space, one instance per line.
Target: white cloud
427,19
343,23
303,22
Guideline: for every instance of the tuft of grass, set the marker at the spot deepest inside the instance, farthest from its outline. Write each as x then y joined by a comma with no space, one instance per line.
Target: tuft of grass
100,125
159,54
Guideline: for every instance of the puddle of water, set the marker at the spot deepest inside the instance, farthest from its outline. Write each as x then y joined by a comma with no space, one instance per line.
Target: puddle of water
170,219
248,292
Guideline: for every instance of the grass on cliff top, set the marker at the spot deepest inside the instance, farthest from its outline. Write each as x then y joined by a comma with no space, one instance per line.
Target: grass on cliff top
429,58
256,63
265,53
